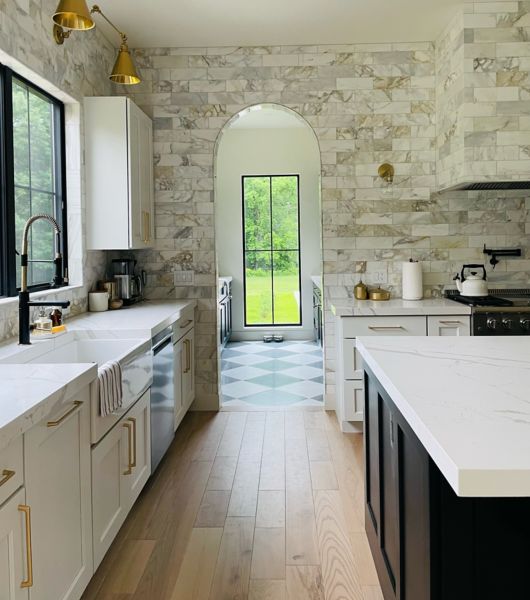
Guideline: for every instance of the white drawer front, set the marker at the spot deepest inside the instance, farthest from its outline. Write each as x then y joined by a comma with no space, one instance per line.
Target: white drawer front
353,366
353,401
358,326
11,469
449,325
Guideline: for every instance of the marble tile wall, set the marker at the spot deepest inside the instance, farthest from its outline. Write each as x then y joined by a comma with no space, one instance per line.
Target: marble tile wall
483,94
78,68
367,104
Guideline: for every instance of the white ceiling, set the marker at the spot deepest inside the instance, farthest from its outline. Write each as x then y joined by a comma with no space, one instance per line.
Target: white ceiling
267,117
199,23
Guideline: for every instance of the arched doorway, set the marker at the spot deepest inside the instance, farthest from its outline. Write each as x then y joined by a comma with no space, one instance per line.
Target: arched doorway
268,229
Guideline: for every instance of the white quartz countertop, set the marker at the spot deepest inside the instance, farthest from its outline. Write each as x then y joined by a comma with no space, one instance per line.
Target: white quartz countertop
146,318
29,392
349,307
468,401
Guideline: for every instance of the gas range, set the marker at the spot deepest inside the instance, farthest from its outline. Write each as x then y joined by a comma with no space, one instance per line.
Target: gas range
503,312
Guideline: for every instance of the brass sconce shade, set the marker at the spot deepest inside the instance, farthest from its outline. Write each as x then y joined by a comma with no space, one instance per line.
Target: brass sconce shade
73,14
124,70
386,172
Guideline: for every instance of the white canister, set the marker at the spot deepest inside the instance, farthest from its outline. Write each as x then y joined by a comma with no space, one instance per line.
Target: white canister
98,301
412,281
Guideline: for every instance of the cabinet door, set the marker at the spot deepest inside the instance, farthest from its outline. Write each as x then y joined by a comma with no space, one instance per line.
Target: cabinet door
110,491
145,132
137,235
389,494
188,369
179,358
449,326
58,490
14,560
372,457
415,581
139,417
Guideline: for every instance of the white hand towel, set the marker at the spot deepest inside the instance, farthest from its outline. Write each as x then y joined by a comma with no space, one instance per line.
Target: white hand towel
110,388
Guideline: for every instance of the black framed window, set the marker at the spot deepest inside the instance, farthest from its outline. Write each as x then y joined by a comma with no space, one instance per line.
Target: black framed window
33,180
271,250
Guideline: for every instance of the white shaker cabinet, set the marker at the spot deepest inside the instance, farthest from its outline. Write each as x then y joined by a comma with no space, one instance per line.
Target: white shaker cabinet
57,480
184,350
121,466
449,325
15,557
349,376
119,174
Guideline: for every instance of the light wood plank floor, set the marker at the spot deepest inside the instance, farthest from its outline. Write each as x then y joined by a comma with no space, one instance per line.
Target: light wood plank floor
260,505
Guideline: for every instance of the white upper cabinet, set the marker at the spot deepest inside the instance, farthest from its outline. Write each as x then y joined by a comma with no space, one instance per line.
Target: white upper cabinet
119,175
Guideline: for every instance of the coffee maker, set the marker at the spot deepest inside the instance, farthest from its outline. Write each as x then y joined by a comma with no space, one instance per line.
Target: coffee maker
130,286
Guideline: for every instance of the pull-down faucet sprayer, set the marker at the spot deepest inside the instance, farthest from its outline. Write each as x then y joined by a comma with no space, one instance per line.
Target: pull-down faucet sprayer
23,297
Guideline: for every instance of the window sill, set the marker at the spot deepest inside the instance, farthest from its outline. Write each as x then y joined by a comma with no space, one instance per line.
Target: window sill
12,300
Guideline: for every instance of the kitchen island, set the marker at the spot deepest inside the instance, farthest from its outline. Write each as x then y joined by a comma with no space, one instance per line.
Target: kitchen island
447,450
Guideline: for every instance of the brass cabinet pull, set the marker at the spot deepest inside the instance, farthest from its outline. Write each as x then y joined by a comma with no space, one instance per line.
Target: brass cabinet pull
77,404
133,421
148,217
6,476
187,345
129,428
188,322
451,322
385,327
27,583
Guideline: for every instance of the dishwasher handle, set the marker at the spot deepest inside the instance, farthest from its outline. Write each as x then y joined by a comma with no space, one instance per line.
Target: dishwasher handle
162,344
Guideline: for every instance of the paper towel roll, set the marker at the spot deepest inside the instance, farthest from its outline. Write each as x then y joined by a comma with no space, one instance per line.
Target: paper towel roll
412,281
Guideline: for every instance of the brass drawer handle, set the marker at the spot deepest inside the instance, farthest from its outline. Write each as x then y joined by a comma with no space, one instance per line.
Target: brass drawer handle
133,421
6,476
27,583
187,345
188,322
77,404
385,327
129,428
451,322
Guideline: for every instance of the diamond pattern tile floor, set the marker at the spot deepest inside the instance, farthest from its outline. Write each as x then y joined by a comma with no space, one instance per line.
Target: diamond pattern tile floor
274,374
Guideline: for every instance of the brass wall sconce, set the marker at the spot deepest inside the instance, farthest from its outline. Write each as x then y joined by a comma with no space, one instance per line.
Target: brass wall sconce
74,15
386,172
388,190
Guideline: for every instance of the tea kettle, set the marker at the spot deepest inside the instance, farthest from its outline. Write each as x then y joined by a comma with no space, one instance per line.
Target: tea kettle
474,284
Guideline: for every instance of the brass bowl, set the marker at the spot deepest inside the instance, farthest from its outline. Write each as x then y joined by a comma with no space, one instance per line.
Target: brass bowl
379,294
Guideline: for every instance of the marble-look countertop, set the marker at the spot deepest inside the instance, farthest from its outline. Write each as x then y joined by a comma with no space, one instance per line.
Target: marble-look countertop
30,392
468,401
317,280
349,307
145,318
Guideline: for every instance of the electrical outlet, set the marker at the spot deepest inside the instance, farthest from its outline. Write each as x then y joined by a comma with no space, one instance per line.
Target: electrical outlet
378,276
184,277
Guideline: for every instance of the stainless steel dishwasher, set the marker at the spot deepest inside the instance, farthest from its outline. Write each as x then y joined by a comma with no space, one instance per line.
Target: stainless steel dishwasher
162,396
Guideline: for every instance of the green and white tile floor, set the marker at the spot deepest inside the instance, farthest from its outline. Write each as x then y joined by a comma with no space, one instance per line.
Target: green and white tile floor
274,374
